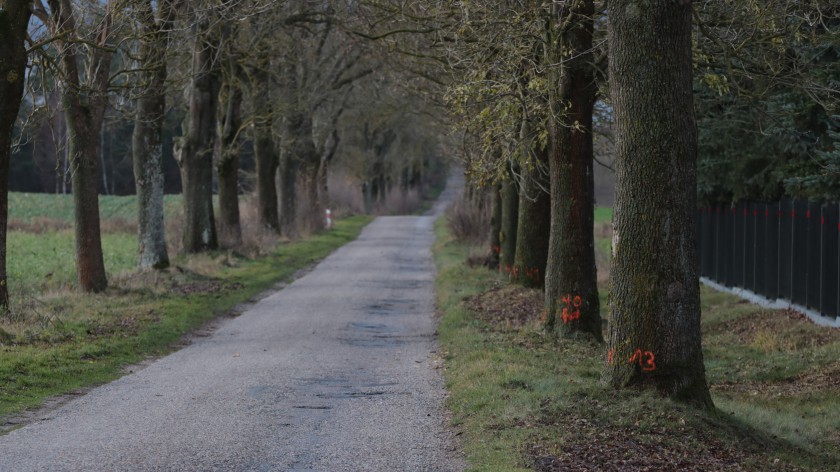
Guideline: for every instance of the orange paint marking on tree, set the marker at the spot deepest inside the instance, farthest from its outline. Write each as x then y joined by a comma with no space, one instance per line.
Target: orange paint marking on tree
646,360
568,314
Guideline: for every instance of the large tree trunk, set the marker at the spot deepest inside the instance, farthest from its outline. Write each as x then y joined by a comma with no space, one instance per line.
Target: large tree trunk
147,139
14,19
288,194
265,152
654,334
571,281
194,150
315,216
84,108
227,162
495,225
510,221
534,220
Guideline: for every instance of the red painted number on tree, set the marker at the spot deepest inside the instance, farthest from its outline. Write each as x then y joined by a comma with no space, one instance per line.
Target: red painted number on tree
571,311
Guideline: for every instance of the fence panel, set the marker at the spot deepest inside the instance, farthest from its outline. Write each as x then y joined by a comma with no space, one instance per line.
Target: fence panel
760,249
771,245
812,292
830,261
720,244
783,250
799,256
749,245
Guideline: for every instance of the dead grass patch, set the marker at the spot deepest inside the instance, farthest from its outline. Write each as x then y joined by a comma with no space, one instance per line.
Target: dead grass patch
778,331
823,380
507,307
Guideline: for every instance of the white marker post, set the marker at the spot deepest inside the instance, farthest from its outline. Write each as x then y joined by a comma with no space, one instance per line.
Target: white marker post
329,218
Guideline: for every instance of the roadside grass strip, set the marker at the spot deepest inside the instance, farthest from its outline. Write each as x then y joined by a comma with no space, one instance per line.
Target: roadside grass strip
72,341
522,400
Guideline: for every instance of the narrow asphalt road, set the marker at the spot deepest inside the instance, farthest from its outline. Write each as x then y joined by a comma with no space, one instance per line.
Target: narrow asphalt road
339,371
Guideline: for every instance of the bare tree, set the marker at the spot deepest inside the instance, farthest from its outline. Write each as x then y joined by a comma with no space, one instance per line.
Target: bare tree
84,100
194,150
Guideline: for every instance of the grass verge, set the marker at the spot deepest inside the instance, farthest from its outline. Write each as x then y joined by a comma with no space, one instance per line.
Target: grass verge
84,340
526,401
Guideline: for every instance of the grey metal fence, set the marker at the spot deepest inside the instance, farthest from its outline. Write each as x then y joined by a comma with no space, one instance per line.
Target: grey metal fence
786,250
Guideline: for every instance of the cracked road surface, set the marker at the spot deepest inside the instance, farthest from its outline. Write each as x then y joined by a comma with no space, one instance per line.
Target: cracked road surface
339,371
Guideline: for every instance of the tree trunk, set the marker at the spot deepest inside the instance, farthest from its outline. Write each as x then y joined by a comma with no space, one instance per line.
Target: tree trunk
654,334
571,281
147,139
534,226
227,162
265,152
288,194
84,108
194,150
495,225
316,212
510,221
14,19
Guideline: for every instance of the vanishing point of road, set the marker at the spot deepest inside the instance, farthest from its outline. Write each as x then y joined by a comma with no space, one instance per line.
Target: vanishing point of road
338,371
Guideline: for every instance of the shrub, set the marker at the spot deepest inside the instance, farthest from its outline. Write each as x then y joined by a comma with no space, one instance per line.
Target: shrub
469,219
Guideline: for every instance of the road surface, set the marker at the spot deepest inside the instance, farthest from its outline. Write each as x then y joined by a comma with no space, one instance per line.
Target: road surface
339,371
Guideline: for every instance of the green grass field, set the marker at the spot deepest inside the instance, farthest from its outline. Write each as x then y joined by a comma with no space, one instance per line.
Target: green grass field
27,207
524,400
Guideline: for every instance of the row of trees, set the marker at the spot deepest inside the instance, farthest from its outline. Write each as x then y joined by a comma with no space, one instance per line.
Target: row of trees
532,80
288,81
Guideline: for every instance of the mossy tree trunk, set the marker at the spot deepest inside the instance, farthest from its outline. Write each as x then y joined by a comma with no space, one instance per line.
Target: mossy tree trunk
534,225
571,295
227,158
301,156
265,152
194,150
147,138
84,100
495,225
14,19
509,223
654,335
289,166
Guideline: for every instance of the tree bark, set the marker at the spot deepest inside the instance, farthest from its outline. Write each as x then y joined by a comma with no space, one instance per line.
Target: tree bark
534,226
84,108
147,139
14,19
194,150
227,161
654,334
496,225
510,222
288,194
265,152
571,281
